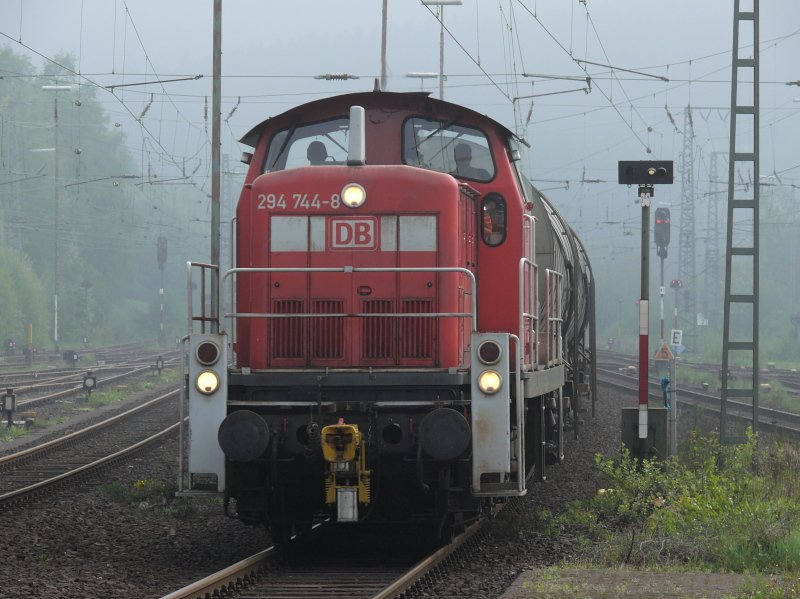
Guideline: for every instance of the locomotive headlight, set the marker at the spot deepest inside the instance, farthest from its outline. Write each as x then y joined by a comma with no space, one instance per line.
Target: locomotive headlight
353,195
490,381
207,382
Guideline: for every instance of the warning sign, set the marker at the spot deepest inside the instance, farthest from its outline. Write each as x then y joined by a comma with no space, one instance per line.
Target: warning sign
664,353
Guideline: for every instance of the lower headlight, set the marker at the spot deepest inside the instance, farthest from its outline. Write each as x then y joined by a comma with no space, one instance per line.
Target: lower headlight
490,381
207,382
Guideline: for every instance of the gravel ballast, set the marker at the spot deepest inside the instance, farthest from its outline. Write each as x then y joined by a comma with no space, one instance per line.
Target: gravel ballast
85,543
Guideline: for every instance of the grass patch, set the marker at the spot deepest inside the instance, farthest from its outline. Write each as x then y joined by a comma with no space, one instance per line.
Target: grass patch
149,493
689,375
149,490
120,392
715,508
9,433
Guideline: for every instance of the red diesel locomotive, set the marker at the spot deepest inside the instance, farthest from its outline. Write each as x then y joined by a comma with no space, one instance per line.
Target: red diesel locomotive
406,328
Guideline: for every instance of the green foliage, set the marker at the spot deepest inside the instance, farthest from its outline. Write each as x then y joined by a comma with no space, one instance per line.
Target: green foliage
108,222
149,493
22,298
771,589
109,396
731,508
9,433
154,492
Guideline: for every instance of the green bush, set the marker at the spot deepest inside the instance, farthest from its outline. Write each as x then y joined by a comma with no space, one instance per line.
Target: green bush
731,508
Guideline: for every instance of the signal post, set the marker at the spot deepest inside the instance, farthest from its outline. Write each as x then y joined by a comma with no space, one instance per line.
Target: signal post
650,437
665,360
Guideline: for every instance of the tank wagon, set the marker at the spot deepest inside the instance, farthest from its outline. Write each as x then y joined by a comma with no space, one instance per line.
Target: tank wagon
404,334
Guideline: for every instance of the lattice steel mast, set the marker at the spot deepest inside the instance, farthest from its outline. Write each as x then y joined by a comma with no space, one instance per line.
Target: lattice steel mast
741,255
686,239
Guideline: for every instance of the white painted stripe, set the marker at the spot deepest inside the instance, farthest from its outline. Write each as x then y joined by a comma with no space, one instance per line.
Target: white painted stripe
643,421
317,233
644,315
417,233
388,233
288,234
304,233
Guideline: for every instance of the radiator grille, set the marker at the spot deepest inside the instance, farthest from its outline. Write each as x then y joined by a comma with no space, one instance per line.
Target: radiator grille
327,337
377,341
416,334
288,334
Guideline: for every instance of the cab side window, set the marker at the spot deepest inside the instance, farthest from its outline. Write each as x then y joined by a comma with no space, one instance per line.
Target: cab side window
448,147
493,219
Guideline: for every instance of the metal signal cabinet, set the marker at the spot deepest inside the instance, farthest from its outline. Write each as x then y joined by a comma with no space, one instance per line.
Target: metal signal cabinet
208,408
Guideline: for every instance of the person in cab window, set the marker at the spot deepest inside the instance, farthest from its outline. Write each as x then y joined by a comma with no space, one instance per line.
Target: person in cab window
493,222
316,153
462,154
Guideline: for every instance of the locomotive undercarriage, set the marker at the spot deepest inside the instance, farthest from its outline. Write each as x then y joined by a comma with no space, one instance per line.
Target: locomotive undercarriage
416,471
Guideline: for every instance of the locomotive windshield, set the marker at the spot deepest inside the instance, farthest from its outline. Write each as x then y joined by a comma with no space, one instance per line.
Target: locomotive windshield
303,145
447,147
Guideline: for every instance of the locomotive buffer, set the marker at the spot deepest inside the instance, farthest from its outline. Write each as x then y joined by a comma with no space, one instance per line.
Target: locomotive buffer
651,431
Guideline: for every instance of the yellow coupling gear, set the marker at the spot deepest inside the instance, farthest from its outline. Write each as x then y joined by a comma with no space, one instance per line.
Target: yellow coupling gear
347,482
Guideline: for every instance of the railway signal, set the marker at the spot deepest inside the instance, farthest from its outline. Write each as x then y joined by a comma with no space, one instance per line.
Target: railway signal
207,389
645,174
89,384
661,231
9,404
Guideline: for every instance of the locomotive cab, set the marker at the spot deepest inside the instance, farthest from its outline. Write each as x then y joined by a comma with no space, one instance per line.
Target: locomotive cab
394,351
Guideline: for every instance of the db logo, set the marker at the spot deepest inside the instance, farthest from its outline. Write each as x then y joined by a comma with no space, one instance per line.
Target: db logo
352,233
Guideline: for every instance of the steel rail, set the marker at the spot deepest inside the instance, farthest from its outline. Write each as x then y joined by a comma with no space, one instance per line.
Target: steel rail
788,421
408,579
225,579
86,468
232,577
7,460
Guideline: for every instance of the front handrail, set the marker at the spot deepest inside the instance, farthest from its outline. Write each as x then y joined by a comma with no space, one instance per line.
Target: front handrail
203,318
352,269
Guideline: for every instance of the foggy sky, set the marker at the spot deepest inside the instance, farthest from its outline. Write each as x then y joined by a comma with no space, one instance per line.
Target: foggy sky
272,51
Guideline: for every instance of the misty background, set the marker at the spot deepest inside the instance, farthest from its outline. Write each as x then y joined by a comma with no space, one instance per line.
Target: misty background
134,160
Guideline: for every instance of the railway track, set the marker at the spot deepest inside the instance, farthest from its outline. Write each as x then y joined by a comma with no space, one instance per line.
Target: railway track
46,359
353,573
45,388
42,468
769,418
788,377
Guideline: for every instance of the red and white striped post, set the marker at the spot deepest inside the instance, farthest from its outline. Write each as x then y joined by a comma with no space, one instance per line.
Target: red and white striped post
644,174
645,195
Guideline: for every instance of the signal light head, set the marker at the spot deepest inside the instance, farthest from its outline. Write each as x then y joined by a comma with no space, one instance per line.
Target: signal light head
207,353
490,381
207,382
489,352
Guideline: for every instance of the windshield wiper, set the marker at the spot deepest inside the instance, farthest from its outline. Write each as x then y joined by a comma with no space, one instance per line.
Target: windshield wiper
435,131
285,143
